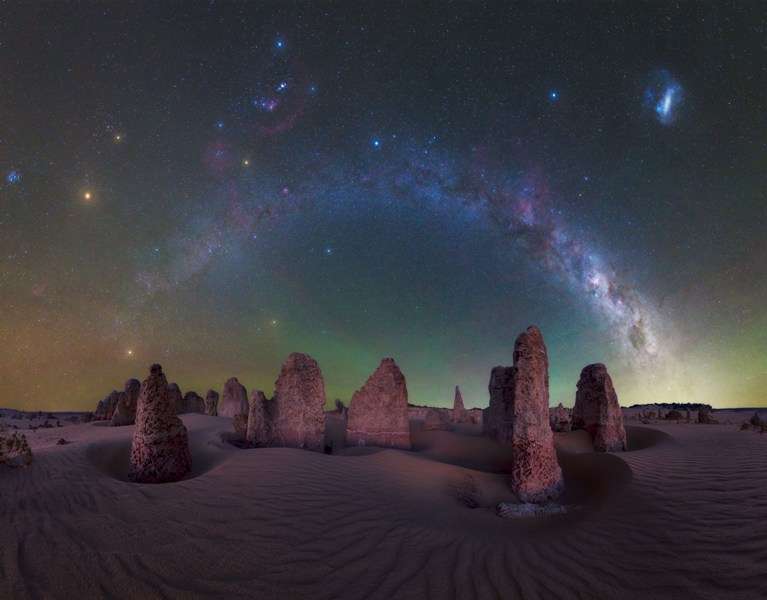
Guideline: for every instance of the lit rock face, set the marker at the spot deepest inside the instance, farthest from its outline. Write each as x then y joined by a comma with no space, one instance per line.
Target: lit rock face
193,403
519,417
211,403
176,399
597,410
160,449
560,418
378,412
257,428
297,409
459,411
125,412
234,400
105,409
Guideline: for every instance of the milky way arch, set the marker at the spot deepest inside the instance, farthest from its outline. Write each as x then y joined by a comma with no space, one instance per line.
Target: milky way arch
520,207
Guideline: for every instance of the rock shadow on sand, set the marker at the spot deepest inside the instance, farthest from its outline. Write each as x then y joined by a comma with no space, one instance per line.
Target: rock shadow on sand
112,457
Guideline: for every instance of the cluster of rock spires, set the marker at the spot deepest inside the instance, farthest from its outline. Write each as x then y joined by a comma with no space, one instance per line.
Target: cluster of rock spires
378,414
125,410
119,408
294,417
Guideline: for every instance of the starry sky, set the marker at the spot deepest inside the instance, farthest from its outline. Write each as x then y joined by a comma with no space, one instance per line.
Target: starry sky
215,185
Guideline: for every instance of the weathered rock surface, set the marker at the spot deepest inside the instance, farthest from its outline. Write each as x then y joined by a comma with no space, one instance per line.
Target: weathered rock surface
125,411
257,429
673,415
705,416
105,409
211,403
560,419
193,403
234,400
436,419
597,410
518,416
160,449
15,450
176,399
378,412
459,411
240,424
297,409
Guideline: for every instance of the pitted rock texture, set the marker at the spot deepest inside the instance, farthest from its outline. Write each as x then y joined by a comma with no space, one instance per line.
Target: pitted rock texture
560,418
234,400
297,410
193,403
519,416
15,450
211,403
160,450
597,410
436,419
257,430
125,411
105,409
176,398
378,413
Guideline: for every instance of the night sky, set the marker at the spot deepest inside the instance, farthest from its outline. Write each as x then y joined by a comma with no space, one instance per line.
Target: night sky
215,185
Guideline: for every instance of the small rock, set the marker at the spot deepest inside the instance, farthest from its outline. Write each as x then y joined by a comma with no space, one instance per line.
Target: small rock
510,510
15,450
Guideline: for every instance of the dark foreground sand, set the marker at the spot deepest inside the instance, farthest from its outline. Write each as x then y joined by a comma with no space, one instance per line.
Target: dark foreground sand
684,515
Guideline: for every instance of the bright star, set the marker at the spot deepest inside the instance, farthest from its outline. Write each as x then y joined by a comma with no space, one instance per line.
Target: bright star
219,125
376,143
13,177
275,322
118,138
282,86
246,162
279,43
87,195
328,251
553,95
129,352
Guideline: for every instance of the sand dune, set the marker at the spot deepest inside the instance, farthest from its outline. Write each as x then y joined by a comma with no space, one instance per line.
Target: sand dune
683,515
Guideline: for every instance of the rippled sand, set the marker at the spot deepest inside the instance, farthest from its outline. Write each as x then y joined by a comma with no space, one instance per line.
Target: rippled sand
683,515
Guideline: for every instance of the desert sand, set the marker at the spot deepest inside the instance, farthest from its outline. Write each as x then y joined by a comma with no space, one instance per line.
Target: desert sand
682,514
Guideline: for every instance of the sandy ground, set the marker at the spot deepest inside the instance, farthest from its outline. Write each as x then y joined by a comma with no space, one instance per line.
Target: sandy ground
682,515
